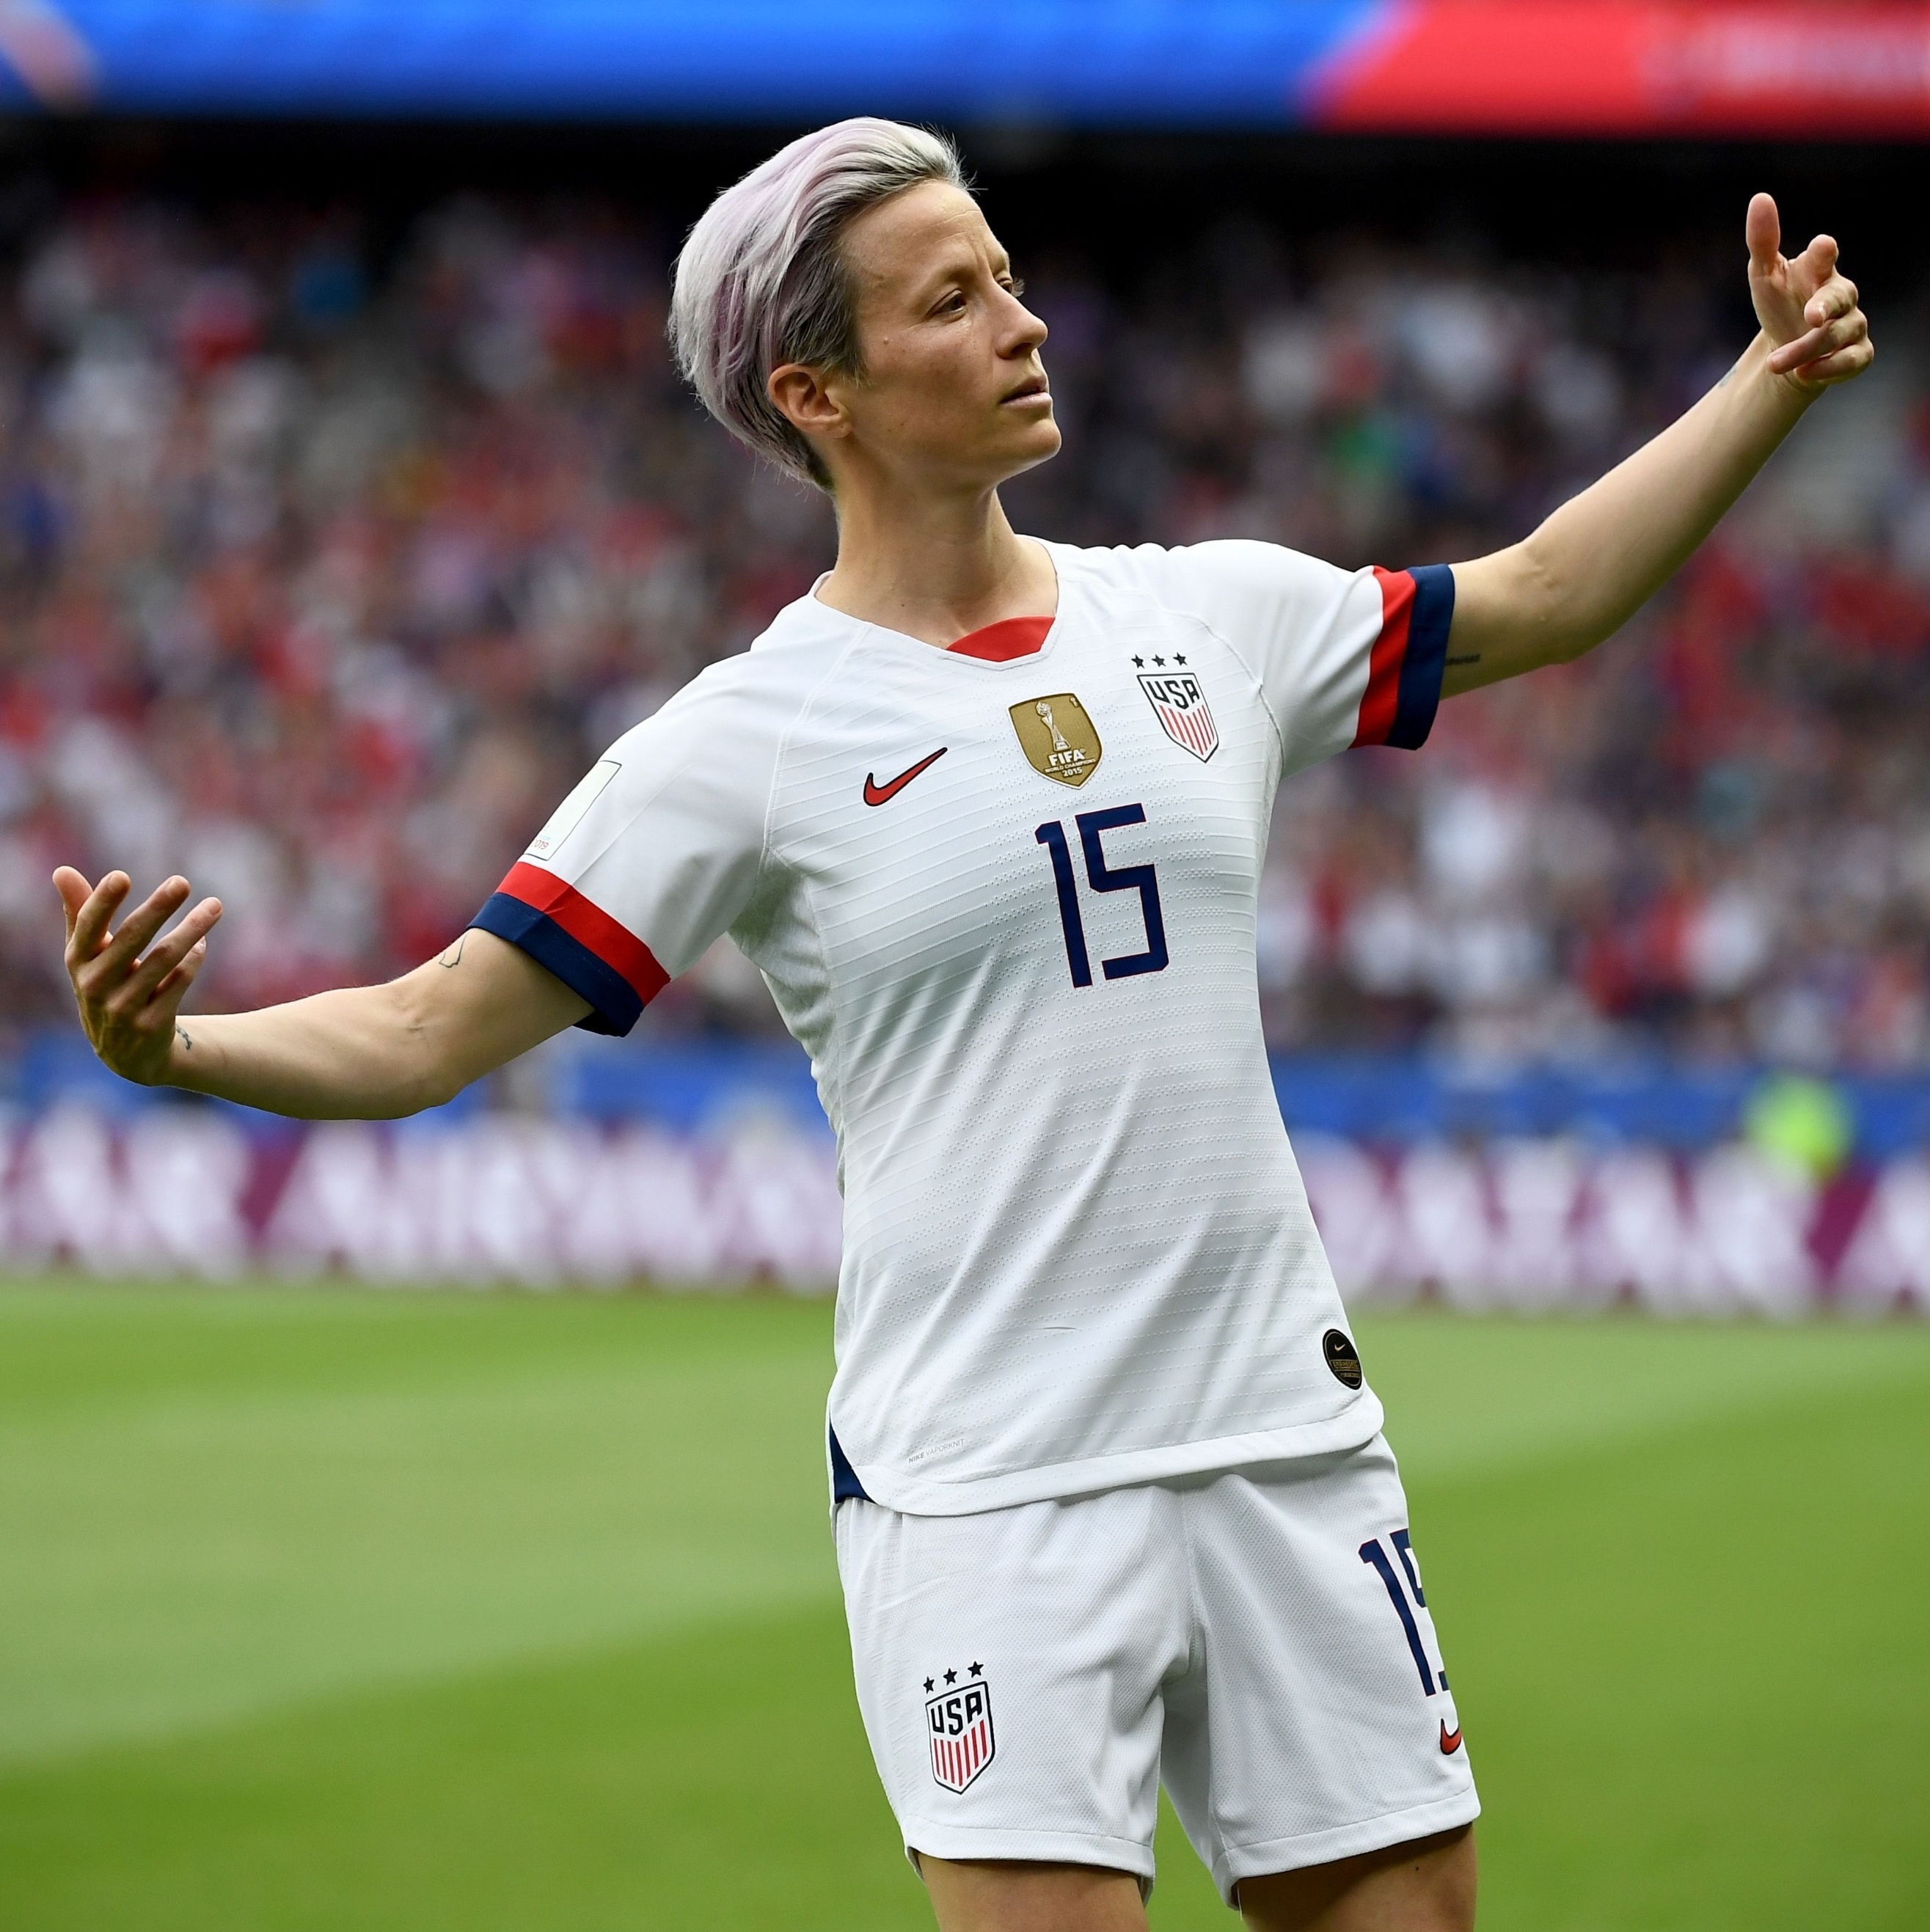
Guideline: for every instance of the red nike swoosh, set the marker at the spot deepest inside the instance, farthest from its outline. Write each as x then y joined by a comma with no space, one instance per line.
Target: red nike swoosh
1450,1741
875,794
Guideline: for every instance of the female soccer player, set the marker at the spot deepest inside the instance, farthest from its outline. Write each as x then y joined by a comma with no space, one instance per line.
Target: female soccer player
1113,1505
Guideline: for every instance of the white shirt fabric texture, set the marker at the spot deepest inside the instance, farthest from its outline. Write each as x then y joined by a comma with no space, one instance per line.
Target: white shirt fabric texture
1077,1251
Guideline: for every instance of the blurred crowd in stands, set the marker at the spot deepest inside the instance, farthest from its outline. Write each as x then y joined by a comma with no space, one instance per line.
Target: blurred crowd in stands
324,574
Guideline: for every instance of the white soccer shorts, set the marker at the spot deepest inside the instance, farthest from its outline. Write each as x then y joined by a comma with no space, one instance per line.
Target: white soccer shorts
1259,1640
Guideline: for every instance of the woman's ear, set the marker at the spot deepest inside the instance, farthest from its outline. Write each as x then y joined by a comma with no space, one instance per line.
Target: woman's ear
801,396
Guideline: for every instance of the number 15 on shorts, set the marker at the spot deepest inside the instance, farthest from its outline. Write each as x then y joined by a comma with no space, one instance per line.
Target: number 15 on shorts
1400,1583
1372,1552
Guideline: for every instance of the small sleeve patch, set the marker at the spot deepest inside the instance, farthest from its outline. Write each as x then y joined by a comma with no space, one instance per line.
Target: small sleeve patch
568,815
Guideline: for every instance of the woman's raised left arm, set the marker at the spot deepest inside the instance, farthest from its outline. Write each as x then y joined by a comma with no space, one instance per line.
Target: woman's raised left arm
1597,560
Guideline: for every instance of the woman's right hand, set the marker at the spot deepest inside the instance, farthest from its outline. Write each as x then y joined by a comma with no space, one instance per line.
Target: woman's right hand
127,985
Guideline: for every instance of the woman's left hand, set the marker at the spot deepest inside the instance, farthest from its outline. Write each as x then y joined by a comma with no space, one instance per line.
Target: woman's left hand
1807,308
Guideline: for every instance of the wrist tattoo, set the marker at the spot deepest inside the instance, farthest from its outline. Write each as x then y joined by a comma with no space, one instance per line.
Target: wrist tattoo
186,1038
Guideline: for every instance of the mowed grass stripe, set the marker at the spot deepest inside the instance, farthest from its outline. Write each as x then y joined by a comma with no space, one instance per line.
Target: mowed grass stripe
491,1480
718,1778
305,1493
1466,1397
76,1345
1611,1622
1678,1571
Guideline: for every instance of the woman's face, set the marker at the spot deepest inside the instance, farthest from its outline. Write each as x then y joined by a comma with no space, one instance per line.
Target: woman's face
953,391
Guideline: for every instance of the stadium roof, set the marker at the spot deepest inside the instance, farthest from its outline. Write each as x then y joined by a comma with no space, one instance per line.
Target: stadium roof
1777,66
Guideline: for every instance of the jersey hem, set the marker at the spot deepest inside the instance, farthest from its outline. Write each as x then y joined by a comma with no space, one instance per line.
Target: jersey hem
1359,1422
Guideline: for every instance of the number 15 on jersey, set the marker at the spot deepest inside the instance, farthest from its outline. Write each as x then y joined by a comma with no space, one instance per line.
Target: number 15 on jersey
1092,826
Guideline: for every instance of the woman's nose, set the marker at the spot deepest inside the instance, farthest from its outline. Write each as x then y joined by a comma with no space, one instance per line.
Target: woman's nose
1029,331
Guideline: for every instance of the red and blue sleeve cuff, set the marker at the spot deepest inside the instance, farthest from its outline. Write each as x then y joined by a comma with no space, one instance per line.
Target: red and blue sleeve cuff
597,959
1410,656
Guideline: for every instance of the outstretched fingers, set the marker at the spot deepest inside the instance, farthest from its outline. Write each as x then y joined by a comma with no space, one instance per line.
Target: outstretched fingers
112,960
74,892
167,956
129,984
88,923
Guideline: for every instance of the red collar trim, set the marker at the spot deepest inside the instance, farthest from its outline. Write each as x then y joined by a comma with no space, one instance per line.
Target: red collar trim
1000,643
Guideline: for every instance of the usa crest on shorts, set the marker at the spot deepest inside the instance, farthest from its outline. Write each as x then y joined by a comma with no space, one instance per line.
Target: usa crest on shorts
958,1718
1179,702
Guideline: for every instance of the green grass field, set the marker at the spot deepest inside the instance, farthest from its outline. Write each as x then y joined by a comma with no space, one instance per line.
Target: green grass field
332,1609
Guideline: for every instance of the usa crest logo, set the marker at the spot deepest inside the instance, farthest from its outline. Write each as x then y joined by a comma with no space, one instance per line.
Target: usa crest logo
958,1720
1179,702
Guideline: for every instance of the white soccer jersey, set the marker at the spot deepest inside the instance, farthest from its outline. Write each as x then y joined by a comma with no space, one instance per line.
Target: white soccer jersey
1005,897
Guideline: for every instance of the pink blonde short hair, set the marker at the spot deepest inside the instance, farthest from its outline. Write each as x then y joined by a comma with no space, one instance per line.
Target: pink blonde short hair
761,281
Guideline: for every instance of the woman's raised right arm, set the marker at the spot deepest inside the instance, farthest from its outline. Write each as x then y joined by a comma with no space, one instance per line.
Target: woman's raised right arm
363,1053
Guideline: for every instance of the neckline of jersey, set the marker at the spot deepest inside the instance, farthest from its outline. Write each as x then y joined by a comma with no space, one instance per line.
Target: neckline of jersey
1011,638
951,653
